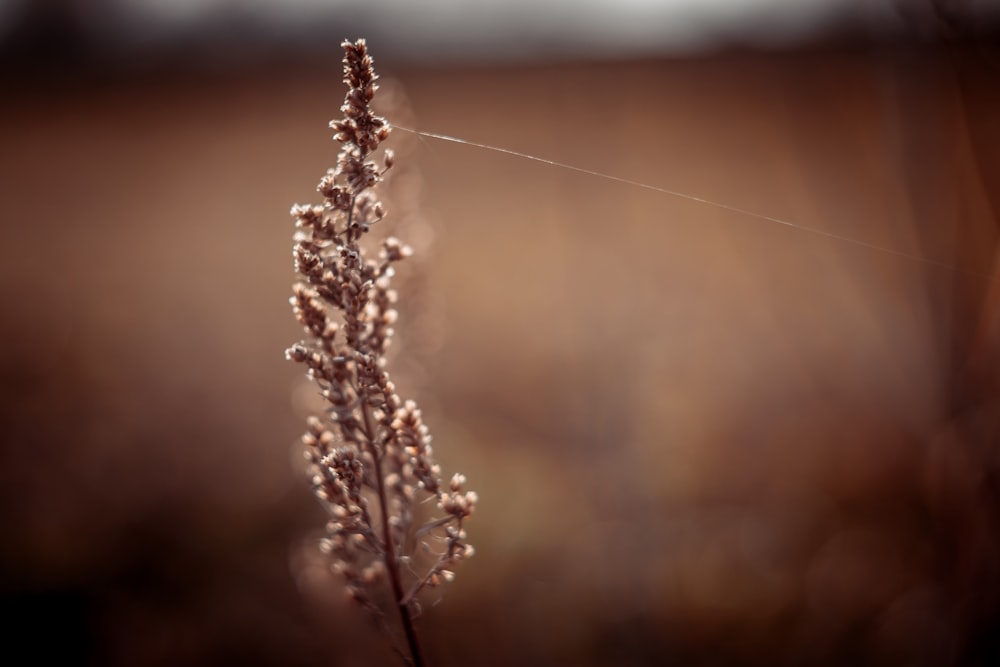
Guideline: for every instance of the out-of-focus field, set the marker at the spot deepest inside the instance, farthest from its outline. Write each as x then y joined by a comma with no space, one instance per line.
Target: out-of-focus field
699,438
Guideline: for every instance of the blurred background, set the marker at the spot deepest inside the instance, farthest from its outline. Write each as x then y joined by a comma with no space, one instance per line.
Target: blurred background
699,438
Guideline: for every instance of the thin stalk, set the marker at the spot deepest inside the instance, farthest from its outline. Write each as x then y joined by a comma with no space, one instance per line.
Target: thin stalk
391,563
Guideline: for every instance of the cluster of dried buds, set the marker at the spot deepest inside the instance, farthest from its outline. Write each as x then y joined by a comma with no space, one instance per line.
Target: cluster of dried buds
370,452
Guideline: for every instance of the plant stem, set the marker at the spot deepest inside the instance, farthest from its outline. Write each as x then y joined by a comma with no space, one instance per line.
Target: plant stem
391,563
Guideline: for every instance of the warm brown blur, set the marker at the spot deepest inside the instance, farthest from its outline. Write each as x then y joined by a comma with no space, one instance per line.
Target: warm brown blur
699,438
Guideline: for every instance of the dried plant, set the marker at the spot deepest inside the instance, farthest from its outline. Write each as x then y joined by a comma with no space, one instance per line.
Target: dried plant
370,452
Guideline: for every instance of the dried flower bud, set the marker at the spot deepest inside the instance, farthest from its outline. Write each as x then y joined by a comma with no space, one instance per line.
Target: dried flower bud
395,250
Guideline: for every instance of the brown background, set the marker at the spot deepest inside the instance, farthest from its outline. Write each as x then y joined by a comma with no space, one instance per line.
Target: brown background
699,438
